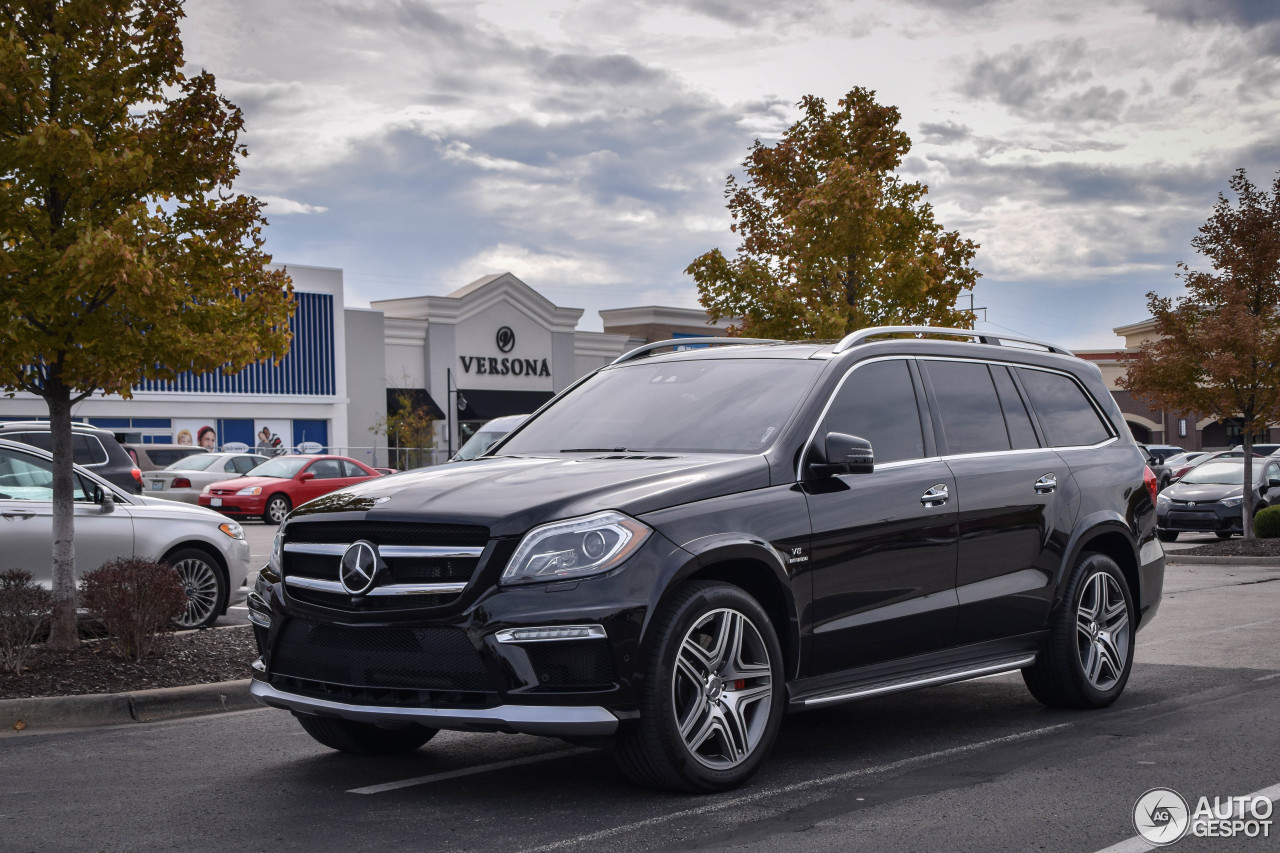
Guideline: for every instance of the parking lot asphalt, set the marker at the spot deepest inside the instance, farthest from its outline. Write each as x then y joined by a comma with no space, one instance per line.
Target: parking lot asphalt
973,766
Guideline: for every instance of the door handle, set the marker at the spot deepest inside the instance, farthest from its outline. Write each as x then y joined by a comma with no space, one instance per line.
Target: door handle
936,496
17,513
1047,484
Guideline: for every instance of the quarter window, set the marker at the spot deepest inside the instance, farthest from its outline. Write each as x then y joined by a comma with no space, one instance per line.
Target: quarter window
970,410
351,469
878,402
1064,411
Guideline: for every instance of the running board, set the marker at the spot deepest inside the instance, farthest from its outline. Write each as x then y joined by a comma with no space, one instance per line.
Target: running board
942,676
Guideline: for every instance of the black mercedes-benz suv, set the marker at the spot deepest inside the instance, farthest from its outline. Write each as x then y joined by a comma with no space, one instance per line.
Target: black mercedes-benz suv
681,547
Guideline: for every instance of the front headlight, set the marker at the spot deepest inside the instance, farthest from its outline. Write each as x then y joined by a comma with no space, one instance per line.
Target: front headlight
575,548
232,529
252,490
1236,501
1162,499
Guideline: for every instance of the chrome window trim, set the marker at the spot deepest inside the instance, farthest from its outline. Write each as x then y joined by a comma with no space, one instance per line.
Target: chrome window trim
392,589
326,549
1106,421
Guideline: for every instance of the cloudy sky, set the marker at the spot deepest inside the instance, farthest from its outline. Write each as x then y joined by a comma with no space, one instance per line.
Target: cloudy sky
583,144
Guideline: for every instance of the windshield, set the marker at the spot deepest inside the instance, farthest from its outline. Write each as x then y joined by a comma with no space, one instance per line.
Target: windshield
283,467
1228,473
479,443
700,405
195,462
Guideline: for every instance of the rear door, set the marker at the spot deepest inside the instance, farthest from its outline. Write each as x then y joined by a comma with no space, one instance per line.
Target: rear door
884,544
1015,499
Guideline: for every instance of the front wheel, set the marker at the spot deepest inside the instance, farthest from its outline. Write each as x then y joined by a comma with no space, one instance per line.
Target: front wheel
1167,535
276,509
713,696
1087,659
1222,534
364,738
205,586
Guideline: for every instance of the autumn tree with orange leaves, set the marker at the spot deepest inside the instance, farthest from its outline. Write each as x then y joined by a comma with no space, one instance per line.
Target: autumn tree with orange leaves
1217,353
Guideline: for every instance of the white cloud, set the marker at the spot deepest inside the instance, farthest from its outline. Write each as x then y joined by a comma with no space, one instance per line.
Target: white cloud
286,206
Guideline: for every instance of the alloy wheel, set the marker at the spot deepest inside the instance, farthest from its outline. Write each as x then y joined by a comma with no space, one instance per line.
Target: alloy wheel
722,689
200,582
1102,631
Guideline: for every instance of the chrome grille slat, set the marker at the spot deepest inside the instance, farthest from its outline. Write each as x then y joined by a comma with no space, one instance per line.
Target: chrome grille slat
388,552
391,589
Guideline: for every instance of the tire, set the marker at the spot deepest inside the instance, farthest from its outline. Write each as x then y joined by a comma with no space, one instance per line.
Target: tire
205,584
1223,535
277,508
364,738
1087,659
1167,535
714,665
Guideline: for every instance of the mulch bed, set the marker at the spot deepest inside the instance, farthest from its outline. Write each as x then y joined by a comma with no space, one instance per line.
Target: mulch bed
192,657
1233,548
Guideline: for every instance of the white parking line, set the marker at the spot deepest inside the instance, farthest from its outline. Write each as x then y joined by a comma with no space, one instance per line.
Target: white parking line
767,793
466,771
1138,844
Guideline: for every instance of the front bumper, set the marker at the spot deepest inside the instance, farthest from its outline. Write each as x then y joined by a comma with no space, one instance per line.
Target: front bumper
454,666
555,721
236,505
1204,517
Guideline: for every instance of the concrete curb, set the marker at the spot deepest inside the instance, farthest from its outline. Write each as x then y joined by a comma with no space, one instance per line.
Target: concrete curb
139,706
1178,560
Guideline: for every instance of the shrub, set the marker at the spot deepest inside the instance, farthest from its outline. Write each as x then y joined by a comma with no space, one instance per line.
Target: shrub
134,599
24,610
1266,524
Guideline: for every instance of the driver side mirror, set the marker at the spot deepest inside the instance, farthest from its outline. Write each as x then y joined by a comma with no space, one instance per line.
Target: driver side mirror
105,500
305,476
1273,483
842,454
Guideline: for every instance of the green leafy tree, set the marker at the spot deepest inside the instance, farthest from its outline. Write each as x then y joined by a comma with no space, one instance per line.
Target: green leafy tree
409,428
125,254
832,239
1217,353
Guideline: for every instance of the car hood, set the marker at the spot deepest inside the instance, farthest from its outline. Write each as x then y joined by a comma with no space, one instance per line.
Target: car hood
509,495
161,508
1198,492
238,483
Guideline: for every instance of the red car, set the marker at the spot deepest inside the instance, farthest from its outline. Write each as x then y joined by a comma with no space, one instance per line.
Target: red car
278,485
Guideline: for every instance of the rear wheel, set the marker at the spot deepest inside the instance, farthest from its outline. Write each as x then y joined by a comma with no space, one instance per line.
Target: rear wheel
713,695
204,584
1087,659
276,509
364,738
1223,535
1167,535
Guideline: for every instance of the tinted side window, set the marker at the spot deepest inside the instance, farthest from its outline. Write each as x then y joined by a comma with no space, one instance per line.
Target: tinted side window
326,469
244,464
1021,434
971,415
1062,408
88,450
351,469
878,402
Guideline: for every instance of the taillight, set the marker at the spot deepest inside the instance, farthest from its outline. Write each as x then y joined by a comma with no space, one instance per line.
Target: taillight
180,483
137,474
1149,480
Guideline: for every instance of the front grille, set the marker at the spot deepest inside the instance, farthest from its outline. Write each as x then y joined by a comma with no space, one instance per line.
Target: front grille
415,569
380,658
580,665
1192,520
387,533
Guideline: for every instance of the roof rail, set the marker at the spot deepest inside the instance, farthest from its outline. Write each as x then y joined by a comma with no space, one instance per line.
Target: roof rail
684,342
992,338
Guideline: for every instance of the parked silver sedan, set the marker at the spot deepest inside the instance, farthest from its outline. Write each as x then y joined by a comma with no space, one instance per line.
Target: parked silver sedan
186,478
208,550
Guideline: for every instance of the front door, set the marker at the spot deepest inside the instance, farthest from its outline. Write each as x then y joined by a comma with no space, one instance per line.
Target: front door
884,544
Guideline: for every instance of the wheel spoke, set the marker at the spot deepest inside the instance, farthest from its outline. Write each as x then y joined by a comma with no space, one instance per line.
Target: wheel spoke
726,637
734,726
704,731
694,654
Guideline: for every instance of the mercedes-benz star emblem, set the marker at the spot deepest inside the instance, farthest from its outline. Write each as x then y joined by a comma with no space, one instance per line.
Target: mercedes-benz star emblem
359,567
506,339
